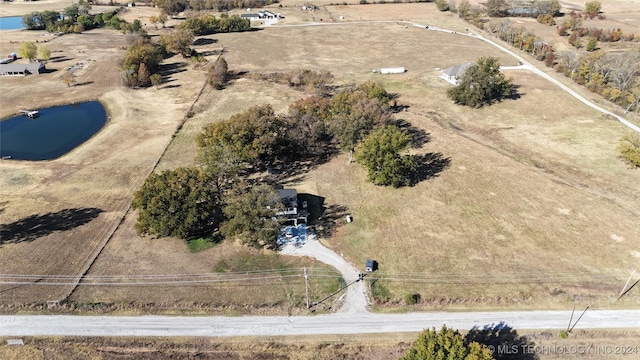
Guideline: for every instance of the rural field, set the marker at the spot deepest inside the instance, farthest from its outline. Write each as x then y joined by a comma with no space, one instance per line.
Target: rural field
583,345
527,205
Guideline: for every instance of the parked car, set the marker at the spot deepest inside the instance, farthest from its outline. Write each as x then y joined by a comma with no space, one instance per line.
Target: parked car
370,265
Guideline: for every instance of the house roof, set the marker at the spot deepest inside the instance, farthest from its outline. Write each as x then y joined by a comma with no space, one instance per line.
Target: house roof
457,70
288,194
18,68
257,16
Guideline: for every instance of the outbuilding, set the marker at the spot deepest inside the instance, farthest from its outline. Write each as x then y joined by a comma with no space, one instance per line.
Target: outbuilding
21,69
392,70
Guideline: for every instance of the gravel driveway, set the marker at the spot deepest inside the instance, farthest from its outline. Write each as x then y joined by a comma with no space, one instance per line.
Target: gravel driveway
356,300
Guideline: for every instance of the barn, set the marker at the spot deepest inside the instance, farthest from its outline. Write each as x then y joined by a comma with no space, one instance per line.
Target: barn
22,69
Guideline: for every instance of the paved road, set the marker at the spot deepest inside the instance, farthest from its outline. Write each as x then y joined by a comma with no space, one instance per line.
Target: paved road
64,325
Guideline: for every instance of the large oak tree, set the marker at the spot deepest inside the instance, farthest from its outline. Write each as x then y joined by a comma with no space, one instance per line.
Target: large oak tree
482,84
180,203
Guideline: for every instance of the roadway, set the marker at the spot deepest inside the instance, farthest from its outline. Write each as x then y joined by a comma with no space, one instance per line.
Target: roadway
363,323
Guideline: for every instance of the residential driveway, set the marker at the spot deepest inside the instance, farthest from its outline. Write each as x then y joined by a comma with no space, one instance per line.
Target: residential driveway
356,299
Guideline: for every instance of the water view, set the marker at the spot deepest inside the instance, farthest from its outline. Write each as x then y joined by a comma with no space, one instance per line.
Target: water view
51,132
11,23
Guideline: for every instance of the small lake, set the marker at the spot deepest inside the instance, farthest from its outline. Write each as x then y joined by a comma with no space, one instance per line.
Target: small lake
11,23
54,133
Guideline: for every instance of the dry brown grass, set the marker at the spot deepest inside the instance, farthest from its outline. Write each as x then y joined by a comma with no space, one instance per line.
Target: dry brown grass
594,345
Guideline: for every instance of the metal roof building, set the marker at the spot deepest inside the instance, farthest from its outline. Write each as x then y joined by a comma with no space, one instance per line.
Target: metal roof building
21,69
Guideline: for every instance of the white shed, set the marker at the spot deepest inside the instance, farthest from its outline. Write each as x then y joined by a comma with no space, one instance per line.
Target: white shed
392,70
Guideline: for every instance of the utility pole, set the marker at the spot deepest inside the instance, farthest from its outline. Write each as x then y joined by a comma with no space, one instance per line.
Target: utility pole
306,285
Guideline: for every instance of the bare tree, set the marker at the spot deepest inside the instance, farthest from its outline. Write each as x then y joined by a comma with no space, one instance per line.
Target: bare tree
570,60
624,70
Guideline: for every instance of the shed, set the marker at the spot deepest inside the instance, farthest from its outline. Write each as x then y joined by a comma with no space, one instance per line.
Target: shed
392,70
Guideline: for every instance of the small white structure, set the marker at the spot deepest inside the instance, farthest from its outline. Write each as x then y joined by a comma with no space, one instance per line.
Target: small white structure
454,73
392,70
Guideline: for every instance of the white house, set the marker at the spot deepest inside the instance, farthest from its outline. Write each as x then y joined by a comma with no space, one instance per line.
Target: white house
454,73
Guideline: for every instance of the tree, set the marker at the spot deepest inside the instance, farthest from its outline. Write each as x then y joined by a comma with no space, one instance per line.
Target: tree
68,78
629,149
464,9
307,133
222,164
256,135
592,45
179,41
218,74
156,80
379,153
44,53
442,5
446,344
143,75
482,84
592,8
141,51
28,50
174,7
354,113
250,212
497,8
180,203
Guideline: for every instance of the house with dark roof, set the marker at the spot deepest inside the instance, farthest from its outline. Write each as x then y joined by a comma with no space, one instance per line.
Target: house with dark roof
293,211
455,73
21,69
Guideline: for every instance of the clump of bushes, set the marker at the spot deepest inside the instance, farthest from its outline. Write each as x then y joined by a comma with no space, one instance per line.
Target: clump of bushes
629,149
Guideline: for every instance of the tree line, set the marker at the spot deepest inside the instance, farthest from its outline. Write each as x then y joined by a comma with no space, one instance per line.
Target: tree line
73,19
174,7
612,75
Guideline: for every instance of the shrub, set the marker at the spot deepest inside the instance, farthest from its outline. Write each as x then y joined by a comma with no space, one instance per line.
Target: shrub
629,149
411,299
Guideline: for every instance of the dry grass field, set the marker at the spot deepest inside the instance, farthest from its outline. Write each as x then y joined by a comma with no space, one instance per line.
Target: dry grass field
534,209
547,345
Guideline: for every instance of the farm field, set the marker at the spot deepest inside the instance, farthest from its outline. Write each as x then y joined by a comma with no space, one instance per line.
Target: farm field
533,209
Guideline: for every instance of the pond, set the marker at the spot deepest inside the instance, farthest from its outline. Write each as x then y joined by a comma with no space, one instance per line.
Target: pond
55,132
11,23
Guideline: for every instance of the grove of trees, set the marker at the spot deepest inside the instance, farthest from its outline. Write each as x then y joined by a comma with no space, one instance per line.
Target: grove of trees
141,61
205,24
174,7
614,75
232,154
73,19
482,84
